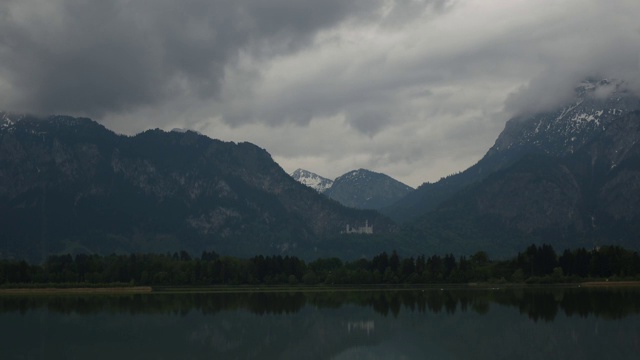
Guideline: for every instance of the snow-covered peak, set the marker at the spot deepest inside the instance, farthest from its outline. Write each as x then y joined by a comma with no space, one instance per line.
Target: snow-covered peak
314,181
596,106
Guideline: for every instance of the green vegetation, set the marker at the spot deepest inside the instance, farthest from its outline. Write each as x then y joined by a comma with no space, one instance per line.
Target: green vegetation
537,264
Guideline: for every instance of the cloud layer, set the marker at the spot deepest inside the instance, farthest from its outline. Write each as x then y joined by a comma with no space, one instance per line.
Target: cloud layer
415,89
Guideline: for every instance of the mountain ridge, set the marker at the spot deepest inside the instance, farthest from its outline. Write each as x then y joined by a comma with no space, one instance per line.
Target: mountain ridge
568,177
70,184
557,132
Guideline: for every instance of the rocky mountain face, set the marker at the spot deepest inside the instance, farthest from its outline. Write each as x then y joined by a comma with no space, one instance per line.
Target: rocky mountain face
365,189
557,133
70,185
562,132
312,180
569,177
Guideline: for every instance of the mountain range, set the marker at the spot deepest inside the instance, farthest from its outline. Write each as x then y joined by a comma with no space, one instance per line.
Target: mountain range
558,133
70,185
569,177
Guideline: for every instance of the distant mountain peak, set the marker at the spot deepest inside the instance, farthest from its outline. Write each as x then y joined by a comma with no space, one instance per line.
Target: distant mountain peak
561,131
359,173
366,189
312,180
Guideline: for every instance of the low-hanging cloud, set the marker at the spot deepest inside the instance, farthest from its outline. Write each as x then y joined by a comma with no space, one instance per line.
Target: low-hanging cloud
599,41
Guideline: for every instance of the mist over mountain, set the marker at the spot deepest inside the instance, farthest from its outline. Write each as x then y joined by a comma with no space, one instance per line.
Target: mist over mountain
559,132
70,185
569,177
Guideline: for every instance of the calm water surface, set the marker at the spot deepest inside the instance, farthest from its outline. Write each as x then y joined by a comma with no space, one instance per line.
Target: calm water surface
573,323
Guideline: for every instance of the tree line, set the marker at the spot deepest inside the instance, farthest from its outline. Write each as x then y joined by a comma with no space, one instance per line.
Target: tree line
537,264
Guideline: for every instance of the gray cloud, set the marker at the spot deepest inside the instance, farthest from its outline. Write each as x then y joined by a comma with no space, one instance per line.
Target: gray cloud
599,41
110,56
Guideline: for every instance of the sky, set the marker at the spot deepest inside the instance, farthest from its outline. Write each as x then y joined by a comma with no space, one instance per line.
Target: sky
415,89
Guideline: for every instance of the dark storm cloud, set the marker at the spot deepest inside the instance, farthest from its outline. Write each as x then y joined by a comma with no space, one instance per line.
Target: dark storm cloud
103,56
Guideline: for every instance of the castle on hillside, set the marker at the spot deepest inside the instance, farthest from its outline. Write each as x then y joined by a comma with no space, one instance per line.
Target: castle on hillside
366,229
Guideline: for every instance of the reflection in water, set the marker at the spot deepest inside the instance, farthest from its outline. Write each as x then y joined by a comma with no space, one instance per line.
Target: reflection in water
400,324
367,326
538,303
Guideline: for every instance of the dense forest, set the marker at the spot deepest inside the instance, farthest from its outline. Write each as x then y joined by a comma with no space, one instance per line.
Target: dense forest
537,264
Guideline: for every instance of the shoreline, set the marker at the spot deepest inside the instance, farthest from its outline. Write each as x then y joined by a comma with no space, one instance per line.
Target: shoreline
78,290
118,290
611,283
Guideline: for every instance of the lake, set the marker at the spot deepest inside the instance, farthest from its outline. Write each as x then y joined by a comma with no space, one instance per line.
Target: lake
433,323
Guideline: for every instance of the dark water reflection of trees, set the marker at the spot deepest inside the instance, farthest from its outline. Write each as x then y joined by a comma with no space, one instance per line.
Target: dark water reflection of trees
542,304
